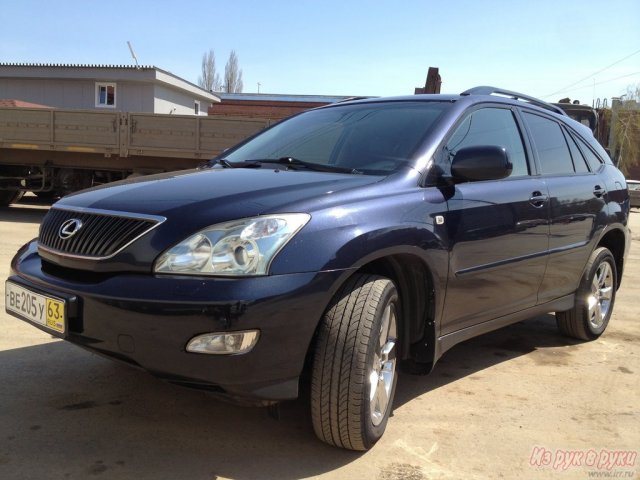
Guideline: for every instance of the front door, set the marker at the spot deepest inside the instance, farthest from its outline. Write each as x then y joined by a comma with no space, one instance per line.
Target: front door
498,230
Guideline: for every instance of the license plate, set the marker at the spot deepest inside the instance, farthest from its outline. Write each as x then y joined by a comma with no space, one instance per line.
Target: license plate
41,309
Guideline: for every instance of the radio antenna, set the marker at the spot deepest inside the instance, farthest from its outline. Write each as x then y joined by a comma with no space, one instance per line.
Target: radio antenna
135,59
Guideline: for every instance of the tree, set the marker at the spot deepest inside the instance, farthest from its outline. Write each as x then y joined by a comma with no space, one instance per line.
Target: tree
232,75
626,129
209,80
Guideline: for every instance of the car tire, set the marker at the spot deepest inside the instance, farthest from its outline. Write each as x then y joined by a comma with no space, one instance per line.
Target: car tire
354,368
7,197
595,297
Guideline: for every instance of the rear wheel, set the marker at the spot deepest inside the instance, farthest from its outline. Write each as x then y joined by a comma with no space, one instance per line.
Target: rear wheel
7,197
595,297
354,370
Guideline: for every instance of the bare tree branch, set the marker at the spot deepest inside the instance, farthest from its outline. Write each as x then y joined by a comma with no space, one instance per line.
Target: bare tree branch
209,80
233,74
627,130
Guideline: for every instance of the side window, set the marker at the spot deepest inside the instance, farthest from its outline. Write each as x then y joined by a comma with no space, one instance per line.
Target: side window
553,151
106,95
592,159
491,126
579,163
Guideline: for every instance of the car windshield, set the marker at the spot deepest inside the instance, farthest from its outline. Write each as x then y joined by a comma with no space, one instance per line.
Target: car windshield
369,138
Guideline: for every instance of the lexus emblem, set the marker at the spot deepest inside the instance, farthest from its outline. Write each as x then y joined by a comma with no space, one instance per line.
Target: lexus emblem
69,228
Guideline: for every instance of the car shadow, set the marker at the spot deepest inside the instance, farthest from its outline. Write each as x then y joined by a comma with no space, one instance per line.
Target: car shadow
536,337
91,415
85,415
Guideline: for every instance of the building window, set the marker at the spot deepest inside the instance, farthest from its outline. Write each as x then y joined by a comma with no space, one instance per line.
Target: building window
106,95
196,107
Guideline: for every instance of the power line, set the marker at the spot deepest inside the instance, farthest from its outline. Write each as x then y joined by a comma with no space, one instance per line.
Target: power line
599,83
593,74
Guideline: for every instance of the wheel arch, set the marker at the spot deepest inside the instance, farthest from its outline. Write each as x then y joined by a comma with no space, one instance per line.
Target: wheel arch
421,294
416,287
615,241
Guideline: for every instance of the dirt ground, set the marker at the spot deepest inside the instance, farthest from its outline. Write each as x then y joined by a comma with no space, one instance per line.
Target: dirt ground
518,403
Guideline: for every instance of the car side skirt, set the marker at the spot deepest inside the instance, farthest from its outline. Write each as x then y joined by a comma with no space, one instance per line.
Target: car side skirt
445,342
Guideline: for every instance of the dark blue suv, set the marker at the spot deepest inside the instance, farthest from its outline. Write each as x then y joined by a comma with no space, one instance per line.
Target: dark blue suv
345,242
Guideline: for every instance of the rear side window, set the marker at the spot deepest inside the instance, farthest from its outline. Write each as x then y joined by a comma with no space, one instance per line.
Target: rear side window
592,159
579,163
491,126
552,148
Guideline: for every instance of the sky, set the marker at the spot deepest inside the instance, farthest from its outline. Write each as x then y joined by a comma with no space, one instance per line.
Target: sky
548,49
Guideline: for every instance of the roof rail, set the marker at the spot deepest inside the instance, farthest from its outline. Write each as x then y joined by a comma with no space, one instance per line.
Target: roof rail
485,90
351,99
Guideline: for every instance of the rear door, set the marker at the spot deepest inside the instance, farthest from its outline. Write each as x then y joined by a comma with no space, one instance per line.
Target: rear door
498,230
577,201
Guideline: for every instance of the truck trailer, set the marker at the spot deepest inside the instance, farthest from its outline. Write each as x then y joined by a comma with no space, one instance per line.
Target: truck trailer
53,152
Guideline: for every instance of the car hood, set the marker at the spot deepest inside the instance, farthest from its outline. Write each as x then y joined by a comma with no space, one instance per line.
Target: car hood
190,201
215,194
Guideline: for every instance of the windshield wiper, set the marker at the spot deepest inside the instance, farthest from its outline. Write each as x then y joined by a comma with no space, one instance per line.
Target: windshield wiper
227,164
290,162
294,163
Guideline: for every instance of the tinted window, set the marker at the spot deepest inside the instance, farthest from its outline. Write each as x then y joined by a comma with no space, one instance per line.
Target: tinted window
375,138
579,163
551,145
592,159
491,126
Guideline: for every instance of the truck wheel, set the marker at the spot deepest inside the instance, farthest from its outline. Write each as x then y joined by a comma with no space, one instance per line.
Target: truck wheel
595,297
354,377
7,197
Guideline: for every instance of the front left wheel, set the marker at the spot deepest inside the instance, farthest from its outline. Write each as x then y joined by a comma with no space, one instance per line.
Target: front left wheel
355,369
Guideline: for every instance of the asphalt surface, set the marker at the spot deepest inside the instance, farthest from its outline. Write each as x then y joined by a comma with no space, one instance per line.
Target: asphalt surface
522,402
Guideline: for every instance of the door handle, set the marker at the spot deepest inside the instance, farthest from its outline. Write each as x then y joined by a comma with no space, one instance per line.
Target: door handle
598,191
538,199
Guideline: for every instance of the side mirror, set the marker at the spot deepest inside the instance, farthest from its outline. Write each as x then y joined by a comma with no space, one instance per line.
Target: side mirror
481,163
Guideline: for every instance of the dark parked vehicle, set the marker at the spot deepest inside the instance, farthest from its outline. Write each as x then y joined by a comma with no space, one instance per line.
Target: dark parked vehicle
346,242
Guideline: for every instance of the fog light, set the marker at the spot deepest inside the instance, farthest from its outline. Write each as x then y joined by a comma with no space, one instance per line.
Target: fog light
224,343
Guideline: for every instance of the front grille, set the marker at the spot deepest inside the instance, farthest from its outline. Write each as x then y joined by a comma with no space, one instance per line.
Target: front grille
102,234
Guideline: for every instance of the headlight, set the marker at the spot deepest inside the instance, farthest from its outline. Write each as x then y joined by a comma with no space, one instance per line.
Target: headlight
240,247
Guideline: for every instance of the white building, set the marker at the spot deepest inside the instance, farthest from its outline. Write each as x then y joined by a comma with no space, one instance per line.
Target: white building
124,88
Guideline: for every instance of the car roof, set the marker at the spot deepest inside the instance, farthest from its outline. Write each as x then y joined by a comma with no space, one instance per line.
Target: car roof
482,94
474,95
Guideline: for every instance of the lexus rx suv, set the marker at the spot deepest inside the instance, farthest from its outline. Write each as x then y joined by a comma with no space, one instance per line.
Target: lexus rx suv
345,242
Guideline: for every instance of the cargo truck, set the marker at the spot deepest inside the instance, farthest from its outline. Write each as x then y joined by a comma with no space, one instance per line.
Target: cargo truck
53,152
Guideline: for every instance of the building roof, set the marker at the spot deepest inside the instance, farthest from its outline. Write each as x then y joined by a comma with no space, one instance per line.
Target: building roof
76,65
273,97
269,105
149,73
19,104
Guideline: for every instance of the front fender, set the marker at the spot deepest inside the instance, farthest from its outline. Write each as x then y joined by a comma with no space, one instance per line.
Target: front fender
355,232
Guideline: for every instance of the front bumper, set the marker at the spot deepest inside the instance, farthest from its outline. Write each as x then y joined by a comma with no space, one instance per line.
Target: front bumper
147,320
